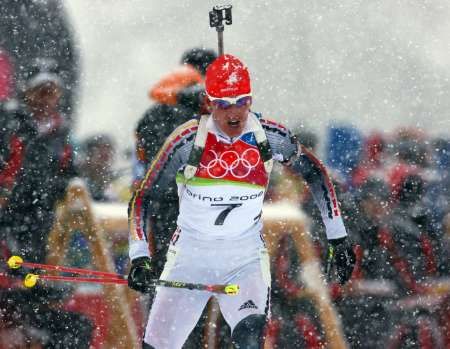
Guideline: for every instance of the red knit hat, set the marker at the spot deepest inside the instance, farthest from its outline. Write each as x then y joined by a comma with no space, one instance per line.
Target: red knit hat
227,76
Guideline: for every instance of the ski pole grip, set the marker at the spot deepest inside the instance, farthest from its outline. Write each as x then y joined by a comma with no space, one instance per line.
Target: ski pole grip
14,262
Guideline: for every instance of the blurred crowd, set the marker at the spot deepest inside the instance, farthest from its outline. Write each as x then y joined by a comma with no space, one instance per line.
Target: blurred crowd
393,188
394,194
37,161
39,156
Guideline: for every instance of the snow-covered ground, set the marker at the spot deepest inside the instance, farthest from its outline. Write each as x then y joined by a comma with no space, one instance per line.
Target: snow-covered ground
378,64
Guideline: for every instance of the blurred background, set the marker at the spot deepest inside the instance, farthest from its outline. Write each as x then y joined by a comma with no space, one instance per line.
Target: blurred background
377,64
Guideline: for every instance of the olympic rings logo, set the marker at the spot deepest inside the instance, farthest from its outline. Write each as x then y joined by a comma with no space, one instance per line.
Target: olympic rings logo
231,162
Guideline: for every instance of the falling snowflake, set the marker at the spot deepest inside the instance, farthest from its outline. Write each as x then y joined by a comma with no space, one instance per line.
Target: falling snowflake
232,79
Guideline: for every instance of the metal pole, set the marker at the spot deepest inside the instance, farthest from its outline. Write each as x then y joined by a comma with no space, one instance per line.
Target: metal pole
220,40
217,16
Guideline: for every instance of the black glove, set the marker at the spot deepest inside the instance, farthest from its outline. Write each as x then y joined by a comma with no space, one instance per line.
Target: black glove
344,257
141,274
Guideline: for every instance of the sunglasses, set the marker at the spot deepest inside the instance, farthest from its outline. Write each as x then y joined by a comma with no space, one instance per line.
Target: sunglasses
227,102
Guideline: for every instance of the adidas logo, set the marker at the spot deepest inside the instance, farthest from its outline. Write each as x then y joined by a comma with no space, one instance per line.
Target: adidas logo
248,305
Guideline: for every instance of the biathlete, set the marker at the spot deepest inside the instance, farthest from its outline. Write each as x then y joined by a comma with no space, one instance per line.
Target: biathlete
222,165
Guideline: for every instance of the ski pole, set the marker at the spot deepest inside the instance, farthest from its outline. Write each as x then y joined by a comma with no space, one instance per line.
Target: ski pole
31,279
216,18
231,289
16,262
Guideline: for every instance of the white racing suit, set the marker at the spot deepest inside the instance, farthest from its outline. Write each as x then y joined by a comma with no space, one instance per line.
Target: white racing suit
218,240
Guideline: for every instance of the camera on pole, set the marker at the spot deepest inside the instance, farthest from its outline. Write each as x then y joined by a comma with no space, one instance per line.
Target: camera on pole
217,17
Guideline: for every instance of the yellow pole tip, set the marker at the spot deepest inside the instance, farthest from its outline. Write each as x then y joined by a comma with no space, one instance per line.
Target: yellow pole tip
232,290
14,262
30,280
